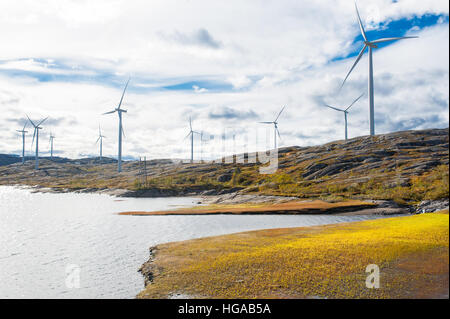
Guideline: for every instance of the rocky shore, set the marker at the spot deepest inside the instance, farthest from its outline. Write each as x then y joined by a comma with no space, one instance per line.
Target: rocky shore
381,207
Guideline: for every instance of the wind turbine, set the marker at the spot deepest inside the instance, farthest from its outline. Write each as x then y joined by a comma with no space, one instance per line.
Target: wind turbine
371,45
345,112
51,144
201,146
36,134
119,113
23,141
191,133
275,128
100,138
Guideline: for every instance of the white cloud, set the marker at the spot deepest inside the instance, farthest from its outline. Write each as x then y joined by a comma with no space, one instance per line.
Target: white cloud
273,53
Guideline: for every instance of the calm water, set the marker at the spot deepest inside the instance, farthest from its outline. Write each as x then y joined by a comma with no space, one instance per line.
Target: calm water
43,235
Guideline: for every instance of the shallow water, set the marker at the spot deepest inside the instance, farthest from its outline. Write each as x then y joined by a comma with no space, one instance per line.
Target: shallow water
76,246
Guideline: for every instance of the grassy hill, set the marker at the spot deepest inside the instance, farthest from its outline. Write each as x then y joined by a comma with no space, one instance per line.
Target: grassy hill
406,166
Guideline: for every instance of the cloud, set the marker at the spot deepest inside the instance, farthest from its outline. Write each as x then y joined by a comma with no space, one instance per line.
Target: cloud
230,113
200,37
198,89
246,59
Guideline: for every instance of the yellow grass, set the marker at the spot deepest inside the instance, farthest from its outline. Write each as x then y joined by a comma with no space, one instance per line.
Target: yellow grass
323,261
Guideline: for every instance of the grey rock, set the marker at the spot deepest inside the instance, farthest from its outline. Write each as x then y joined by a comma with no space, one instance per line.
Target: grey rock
429,206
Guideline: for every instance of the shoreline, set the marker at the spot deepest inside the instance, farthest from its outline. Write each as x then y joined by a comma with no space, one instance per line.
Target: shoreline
315,207
228,199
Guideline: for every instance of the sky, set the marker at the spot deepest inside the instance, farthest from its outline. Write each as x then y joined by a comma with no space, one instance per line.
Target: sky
226,64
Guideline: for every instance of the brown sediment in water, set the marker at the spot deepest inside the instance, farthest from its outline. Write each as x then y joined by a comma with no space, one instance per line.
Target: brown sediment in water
294,207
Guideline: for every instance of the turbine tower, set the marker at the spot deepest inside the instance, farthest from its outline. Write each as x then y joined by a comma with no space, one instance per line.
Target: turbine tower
100,138
119,113
191,133
36,134
51,144
345,112
275,128
23,141
371,45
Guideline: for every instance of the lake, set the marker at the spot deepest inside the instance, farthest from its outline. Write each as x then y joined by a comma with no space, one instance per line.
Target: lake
46,238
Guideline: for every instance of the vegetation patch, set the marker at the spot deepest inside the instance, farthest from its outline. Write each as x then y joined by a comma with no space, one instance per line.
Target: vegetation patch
313,262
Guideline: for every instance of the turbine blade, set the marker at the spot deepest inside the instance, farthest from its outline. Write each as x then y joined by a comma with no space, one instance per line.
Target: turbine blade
354,102
97,140
110,112
190,123
354,64
392,39
24,126
32,123
187,135
123,93
363,33
279,113
42,121
278,133
34,134
266,122
123,132
334,108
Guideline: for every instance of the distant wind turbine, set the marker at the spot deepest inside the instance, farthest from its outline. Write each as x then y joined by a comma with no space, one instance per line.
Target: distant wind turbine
100,138
23,141
275,128
201,146
119,113
36,134
371,45
345,112
191,133
51,144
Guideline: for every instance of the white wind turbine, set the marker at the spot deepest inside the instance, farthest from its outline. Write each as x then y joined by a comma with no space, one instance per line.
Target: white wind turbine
371,45
201,146
191,133
275,128
345,112
100,138
119,113
51,144
36,134
23,141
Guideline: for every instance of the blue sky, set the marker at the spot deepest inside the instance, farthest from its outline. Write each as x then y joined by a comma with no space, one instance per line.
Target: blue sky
228,65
